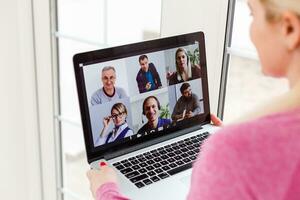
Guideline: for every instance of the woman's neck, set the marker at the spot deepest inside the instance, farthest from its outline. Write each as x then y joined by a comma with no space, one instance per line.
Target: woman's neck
185,74
293,71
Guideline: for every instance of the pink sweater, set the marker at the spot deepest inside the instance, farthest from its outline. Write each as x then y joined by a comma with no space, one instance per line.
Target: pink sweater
254,160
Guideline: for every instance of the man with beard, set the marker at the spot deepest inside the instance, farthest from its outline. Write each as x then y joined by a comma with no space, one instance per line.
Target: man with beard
151,107
187,105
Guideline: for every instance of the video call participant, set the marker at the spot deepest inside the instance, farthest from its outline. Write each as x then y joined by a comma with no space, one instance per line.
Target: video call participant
256,157
184,70
187,105
121,128
151,107
147,78
109,92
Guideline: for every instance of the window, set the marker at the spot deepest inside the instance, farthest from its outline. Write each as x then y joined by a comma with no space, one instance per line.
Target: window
246,86
85,25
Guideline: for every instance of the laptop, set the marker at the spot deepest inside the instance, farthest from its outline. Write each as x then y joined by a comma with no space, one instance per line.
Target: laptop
145,111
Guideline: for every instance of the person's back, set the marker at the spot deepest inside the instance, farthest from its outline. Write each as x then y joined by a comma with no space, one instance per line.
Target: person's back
253,160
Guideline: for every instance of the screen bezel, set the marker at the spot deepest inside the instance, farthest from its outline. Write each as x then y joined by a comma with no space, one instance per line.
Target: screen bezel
92,57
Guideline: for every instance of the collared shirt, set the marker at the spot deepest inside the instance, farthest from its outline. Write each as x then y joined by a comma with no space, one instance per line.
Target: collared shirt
162,123
117,132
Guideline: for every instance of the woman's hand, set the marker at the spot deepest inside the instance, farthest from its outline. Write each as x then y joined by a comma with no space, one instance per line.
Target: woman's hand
215,120
106,121
169,74
98,178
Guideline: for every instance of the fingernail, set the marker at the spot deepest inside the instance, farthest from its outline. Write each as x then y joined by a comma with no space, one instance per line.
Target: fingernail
102,164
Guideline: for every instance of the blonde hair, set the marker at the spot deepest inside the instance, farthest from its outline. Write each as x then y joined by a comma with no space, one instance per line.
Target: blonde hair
121,108
180,49
274,7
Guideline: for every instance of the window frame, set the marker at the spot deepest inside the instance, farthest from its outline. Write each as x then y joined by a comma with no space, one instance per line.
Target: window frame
45,50
47,81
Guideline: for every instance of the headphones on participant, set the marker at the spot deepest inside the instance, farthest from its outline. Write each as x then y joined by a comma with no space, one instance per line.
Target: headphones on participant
153,97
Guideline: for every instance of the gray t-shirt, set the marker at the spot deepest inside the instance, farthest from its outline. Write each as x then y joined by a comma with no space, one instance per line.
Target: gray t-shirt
100,96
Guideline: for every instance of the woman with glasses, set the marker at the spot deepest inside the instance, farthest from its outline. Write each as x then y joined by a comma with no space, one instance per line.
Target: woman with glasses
121,128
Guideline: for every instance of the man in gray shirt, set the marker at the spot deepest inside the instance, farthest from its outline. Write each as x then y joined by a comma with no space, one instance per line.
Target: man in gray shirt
109,92
187,105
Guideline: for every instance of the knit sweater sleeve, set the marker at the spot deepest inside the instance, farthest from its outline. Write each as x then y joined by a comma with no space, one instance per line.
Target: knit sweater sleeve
215,170
109,191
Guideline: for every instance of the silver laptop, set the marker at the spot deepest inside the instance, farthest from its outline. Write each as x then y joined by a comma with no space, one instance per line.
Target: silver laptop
145,110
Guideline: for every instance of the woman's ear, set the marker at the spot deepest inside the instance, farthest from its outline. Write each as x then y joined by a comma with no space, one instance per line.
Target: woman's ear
291,29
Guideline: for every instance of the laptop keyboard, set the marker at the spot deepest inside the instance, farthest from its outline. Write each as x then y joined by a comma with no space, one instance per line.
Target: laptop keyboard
161,163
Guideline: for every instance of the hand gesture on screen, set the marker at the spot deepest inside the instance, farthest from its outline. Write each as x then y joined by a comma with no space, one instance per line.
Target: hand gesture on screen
169,74
189,114
148,86
106,121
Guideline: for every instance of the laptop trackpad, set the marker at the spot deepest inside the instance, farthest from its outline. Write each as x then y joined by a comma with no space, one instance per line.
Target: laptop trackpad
186,180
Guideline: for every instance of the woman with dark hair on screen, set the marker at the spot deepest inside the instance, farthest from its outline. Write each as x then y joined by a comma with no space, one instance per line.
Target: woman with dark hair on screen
258,157
121,129
185,71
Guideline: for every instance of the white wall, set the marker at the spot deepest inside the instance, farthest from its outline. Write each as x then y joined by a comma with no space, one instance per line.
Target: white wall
200,15
19,167
27,149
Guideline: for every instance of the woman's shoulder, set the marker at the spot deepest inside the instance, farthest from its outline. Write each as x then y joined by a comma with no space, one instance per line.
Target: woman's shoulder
129,132
174,75
264,132
173,79
196,71
262,152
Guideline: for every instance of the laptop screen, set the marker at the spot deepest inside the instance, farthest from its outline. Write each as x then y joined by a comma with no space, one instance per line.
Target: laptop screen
137,92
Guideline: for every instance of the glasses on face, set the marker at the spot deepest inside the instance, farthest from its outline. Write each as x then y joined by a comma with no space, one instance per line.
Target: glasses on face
115,116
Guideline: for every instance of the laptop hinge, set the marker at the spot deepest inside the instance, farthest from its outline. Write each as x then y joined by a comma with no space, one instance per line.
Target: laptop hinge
115,154
95,159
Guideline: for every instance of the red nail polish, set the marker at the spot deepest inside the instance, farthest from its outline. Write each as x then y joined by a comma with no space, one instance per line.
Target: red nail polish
102,164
